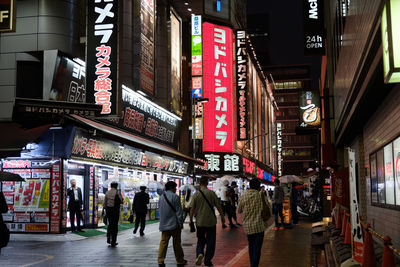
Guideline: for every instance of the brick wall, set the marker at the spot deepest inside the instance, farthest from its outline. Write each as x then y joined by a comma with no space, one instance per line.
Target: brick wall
381,128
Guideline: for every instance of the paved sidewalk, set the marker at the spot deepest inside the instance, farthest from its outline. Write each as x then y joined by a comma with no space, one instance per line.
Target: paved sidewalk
283,248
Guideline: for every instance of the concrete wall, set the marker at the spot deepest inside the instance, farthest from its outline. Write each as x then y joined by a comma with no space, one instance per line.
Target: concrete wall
40,25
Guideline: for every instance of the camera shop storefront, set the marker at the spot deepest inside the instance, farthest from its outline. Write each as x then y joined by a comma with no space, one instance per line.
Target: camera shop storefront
107,161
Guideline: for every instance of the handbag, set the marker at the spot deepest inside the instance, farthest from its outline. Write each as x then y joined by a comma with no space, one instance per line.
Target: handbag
4,235
266,211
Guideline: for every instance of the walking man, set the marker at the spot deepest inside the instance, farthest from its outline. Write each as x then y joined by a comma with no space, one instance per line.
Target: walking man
277,203
203,203
139,207
112,204
232,197
251,205
74,194
226,204
171,224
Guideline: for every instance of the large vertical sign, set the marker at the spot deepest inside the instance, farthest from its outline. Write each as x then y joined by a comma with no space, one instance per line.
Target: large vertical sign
390,41
197,79
102,55
241,84
356,230
176,68
55,199
147,46
313,26
218,88
309,111
279,147
7,15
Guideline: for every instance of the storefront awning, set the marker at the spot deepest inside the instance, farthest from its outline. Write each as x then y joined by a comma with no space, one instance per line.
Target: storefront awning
134,140
13,137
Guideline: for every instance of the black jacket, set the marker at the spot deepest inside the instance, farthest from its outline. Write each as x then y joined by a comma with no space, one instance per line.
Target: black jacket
3,206
140,202
70,194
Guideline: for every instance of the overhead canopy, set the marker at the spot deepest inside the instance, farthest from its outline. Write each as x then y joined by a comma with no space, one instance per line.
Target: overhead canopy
13,137
134,140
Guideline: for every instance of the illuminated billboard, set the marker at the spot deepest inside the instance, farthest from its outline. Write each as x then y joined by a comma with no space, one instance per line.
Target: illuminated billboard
218,88
241,85
102,55
309,111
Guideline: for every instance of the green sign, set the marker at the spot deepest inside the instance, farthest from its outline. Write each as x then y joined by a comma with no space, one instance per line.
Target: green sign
391,41
196,45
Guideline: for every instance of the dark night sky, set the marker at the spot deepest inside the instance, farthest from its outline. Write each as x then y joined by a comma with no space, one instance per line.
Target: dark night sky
282,20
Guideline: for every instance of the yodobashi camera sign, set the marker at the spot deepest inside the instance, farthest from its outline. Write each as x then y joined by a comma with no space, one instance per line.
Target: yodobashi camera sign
313,21
279,146
102,55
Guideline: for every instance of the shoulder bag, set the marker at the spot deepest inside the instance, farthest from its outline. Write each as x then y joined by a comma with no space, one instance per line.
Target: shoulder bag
173,208
208,202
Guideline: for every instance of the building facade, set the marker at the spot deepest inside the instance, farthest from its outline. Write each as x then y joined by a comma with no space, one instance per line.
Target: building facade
366,105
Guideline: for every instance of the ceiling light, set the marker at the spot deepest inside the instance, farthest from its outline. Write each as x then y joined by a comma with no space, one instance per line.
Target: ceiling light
186,3
189,9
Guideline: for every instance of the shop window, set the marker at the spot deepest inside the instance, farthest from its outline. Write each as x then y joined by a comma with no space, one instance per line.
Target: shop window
385,175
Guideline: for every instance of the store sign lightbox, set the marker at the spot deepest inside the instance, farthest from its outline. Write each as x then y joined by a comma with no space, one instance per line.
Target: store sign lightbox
241,85
313,23
391,41
279,147
143,117
7,15
222,162
309,110
197,49
218,88
102,55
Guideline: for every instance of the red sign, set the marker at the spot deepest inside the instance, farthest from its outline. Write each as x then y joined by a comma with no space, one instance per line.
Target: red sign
16,164
36,227
248,166
218,88
55,199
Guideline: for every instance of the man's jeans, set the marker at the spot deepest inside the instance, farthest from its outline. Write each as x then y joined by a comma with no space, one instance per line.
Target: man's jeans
255,245
278,211
206,236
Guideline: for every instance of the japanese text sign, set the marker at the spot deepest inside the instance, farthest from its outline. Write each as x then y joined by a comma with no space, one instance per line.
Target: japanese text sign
241,84
222,163
102,55
218,88
55,199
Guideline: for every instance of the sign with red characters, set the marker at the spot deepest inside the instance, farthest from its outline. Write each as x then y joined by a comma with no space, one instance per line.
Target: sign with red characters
218,88
55,199
241,85
102,55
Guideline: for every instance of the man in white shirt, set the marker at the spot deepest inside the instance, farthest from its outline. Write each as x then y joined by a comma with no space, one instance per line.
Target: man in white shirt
74,194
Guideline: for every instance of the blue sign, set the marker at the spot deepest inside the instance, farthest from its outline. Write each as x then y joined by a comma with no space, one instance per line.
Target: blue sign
197,92
267,176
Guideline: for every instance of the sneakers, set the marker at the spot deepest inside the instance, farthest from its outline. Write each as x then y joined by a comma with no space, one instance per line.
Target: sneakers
199,259
275,228
281,228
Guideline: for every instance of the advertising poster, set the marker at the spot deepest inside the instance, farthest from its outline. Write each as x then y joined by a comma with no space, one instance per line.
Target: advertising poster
197,46
389,178
147,46
8,187
176,67
309,110
356,229
374,179
218,88
32,195
396,154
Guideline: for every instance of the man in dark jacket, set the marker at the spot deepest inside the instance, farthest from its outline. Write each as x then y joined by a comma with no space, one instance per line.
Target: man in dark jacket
112,204
277,201
74,194
140,208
